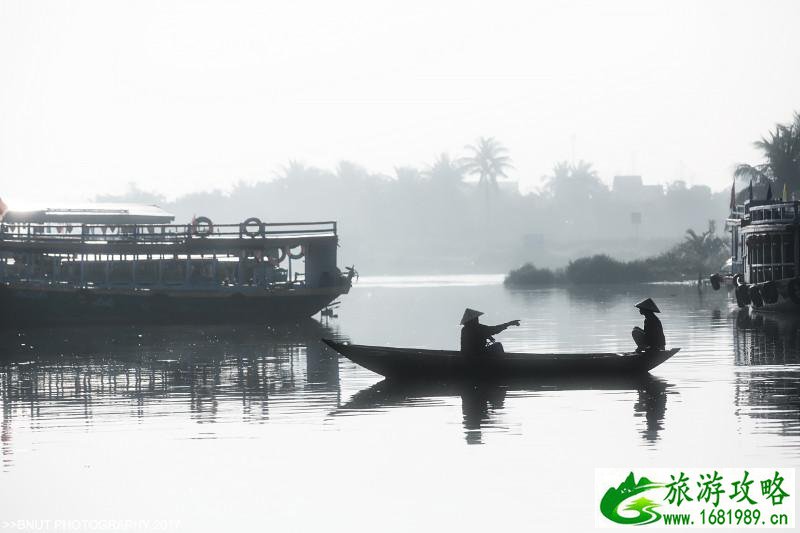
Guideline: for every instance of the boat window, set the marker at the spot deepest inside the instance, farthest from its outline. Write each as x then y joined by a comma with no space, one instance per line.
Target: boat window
146,272
767,214
788,272
173,271
120,272
767,252
788,249
776,249
94,272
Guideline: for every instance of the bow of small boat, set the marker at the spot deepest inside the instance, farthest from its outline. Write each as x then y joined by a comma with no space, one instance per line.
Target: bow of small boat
400,362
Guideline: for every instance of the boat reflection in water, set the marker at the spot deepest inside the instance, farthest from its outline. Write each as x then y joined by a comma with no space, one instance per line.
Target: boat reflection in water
483,403
71,377
762,339
767,347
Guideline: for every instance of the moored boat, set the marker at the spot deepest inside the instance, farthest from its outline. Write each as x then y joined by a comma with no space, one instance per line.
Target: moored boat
415,363
119,263
765,255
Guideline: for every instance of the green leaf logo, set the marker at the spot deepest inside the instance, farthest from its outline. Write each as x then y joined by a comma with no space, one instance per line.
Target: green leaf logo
643,508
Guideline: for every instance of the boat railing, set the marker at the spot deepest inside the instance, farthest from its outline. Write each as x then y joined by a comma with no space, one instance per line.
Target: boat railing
162,233
738,212
773,212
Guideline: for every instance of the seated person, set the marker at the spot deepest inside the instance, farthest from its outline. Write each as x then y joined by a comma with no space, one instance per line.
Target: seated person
652,336
474,335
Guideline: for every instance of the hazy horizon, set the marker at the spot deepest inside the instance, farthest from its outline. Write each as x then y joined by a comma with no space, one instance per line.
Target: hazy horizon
196,96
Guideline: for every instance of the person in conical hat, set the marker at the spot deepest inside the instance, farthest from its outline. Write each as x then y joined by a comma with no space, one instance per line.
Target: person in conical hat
652,336
476,336
470,314
648,305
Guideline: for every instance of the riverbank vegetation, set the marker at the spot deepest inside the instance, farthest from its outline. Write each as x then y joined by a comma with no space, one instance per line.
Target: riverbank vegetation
780,166
697,256
463,214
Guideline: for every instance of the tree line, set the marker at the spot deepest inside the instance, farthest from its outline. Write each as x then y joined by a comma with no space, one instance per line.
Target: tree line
780,166
697,256
459,213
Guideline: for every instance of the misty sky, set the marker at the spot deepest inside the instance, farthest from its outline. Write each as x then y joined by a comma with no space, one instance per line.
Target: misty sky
195,95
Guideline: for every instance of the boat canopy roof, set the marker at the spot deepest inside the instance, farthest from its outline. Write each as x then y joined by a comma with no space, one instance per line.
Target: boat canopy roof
96,213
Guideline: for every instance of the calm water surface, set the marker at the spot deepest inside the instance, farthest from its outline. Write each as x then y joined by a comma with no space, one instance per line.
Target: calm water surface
251,428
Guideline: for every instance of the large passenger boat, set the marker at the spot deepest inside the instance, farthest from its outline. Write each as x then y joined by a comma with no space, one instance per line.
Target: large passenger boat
114,263
765,267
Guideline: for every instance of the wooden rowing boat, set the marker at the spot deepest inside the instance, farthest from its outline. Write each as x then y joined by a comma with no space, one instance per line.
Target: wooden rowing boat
408,363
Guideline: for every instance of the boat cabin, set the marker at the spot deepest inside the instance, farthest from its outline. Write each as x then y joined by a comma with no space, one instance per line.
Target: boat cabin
764,240
140,247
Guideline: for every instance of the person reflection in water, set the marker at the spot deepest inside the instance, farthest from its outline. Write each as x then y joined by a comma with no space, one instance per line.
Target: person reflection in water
652,336
652,403
478,403
476,338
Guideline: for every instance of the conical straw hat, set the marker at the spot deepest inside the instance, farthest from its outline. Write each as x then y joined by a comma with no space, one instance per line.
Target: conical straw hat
469,314
648,305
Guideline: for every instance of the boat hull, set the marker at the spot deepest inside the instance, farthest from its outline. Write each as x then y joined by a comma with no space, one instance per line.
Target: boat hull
783,306
412,363
26,306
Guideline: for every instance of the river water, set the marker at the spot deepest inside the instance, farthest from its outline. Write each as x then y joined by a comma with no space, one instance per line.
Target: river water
253,428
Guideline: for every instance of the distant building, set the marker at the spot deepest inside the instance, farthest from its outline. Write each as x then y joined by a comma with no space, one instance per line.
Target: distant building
627,184
631,188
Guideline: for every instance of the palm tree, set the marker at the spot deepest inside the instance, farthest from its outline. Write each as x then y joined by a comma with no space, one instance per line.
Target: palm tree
561,171
407,175
583,170
444,172
350,172
576,182
294,170
781,150
489,161
702,249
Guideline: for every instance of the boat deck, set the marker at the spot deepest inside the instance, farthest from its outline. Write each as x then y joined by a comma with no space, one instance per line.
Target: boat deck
159,239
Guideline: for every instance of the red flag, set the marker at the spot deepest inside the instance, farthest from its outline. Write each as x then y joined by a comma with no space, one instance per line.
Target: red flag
733,195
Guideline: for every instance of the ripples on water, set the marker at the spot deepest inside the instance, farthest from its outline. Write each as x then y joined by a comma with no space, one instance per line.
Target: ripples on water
250,418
